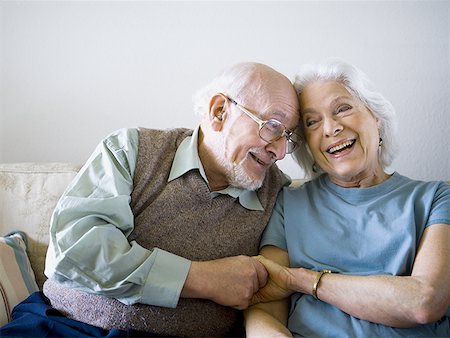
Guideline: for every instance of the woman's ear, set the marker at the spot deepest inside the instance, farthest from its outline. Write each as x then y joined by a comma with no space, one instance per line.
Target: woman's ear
217,112
379,124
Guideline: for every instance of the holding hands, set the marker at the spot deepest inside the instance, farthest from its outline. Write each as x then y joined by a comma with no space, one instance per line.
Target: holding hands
230,281
279,283
241,281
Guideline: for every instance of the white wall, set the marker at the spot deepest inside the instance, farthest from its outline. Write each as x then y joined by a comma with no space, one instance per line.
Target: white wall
71,72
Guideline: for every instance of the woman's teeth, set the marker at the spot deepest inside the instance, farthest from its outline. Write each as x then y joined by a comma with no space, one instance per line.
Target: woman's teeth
340,147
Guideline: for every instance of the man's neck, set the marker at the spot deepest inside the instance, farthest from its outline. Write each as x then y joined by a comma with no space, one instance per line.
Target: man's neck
213,170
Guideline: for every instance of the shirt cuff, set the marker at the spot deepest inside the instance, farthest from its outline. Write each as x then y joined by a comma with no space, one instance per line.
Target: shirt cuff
166,279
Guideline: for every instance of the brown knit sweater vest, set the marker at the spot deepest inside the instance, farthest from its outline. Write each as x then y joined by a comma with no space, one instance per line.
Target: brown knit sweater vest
180,217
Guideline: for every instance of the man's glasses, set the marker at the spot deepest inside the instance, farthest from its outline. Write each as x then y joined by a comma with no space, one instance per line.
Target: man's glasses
270,130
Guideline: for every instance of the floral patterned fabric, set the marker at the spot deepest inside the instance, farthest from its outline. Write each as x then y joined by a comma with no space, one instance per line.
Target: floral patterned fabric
28,195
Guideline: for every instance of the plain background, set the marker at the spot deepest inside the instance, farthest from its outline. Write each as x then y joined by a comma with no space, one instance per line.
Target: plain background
72,72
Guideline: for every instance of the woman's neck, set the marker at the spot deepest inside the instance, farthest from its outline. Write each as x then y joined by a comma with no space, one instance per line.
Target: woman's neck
361,181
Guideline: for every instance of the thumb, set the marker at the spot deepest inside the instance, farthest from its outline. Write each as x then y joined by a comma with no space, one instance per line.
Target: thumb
269,264
261,272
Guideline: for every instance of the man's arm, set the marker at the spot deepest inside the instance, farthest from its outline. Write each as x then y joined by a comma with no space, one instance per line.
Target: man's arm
89,231
230,281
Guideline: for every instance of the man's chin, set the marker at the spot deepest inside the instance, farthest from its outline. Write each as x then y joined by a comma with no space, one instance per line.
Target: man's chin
247,178
250,183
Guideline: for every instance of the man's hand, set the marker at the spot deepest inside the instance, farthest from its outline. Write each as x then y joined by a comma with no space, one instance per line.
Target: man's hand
279,283
230,281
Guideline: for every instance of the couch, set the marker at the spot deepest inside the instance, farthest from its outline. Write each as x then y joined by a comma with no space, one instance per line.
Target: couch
28,195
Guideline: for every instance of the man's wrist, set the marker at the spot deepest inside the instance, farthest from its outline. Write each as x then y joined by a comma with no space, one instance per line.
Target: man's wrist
196,285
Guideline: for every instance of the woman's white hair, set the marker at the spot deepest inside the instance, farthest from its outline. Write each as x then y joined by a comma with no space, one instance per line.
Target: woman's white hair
358,84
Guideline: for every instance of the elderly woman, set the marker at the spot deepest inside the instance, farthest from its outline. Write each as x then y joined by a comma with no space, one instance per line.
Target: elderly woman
368,251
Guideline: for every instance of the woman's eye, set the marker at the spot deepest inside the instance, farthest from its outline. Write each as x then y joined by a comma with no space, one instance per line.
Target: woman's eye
310,123
343,109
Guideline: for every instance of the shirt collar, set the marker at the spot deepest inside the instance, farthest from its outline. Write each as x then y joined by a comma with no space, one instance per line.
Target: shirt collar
186,159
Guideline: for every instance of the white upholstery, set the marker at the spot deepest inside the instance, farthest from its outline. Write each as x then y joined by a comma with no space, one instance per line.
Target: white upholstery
28,195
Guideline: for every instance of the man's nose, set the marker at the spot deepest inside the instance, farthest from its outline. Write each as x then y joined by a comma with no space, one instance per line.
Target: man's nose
277,148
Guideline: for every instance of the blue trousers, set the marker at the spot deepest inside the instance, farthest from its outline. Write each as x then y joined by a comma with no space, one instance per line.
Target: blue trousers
34,317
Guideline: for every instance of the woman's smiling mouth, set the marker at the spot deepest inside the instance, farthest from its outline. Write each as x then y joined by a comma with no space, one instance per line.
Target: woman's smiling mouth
340,147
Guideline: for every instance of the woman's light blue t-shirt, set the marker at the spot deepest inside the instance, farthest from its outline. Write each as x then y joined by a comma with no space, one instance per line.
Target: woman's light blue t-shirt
357,231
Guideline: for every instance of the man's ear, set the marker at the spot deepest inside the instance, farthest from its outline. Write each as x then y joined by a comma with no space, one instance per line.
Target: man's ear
217,111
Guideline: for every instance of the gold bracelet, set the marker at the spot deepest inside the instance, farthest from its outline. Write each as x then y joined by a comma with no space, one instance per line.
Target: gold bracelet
317,281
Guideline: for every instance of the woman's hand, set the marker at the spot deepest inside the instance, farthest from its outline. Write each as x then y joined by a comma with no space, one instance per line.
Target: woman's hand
278,284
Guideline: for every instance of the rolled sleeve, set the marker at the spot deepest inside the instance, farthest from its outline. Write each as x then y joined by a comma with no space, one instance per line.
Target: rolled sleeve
166,279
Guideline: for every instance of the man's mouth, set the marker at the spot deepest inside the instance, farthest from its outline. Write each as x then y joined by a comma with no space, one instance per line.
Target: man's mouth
340,147
257,159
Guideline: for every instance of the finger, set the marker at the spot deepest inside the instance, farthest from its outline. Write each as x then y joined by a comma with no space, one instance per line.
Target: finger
255,299
262,274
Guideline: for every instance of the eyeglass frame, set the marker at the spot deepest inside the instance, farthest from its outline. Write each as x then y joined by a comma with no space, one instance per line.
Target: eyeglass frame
286,133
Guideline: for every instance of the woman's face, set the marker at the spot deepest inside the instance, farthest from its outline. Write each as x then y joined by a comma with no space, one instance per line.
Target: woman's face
341,132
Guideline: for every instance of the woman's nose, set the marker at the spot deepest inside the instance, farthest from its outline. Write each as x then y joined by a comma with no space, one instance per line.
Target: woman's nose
331,127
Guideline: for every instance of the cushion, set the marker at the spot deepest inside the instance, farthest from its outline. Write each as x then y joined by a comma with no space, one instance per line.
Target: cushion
17,280
28,195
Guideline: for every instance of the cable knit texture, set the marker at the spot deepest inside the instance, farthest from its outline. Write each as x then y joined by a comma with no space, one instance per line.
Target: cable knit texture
180,217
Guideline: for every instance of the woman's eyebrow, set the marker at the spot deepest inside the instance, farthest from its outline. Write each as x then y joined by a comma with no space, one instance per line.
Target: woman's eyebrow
340,98
307,111
333,102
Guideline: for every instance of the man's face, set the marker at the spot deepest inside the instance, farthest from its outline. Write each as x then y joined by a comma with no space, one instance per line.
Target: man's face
243,154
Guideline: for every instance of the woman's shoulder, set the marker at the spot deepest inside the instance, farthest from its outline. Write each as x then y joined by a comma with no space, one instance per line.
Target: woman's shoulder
408,181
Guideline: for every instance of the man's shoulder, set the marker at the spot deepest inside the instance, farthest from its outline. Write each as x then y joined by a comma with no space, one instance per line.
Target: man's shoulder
164,132
123,133
162,138
276,176
121,139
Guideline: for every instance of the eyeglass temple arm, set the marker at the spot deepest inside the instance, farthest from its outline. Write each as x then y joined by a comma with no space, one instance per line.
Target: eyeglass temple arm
253,117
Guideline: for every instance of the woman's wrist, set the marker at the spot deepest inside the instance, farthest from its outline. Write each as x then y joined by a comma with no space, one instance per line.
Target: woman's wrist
303,280
317,282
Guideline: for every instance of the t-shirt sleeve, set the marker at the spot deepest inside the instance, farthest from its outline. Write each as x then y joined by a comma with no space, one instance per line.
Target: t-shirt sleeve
274,234
440,208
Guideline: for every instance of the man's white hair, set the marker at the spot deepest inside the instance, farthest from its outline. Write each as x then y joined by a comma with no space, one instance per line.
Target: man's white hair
235,82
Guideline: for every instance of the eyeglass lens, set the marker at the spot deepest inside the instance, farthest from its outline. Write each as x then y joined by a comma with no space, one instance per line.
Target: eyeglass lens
272,131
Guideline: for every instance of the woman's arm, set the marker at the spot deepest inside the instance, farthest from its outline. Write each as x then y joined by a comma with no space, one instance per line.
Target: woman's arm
270,319
399,301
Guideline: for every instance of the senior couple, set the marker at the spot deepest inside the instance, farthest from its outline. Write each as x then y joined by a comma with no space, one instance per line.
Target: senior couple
159,233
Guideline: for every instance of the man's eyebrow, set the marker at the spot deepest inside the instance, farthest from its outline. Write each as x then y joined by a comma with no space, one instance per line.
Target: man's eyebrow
276,113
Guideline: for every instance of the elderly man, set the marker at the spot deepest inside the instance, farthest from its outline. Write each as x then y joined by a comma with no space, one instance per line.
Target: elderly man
156,232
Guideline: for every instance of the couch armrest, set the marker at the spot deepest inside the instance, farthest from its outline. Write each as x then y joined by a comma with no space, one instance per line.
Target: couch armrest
28,195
